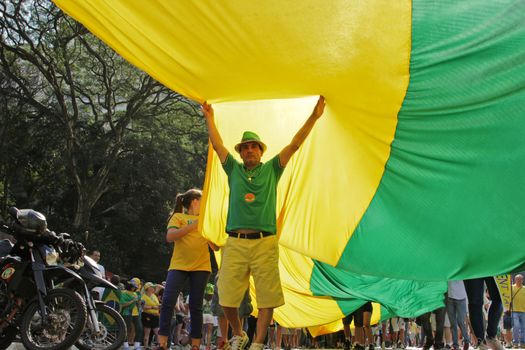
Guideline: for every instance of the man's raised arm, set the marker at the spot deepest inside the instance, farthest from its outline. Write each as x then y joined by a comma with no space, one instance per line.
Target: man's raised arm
301,135
215,137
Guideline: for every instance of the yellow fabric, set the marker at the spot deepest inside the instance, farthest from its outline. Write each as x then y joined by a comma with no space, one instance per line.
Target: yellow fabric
301,308
518,303
190,253
151,301
255,61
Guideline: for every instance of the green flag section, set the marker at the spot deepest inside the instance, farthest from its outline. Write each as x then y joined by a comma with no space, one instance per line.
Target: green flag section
451,199
402,298
414,172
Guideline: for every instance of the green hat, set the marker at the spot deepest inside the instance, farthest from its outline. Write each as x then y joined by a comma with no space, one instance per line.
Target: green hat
250,136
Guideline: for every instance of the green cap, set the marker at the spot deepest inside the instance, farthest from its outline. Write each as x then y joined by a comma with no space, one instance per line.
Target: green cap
250,136
209,289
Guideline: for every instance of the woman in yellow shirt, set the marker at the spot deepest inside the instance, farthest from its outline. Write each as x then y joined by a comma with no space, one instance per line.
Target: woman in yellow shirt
190,261
150,312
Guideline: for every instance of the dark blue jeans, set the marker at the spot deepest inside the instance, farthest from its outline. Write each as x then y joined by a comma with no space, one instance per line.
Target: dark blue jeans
424,322
175,282
474,288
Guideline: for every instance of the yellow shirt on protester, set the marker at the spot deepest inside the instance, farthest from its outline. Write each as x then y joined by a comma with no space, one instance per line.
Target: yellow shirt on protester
151,301
518,302
190,253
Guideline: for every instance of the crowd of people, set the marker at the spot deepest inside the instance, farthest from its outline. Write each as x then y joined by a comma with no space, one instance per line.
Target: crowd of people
450,327
215,312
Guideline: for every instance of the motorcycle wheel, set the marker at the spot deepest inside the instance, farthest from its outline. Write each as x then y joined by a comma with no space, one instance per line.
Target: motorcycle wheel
7,335
66,312
112,331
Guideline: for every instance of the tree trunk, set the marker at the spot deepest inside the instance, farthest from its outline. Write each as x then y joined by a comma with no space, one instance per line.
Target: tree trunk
83,212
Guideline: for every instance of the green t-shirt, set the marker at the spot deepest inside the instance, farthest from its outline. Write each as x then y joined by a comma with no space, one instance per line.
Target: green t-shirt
253,195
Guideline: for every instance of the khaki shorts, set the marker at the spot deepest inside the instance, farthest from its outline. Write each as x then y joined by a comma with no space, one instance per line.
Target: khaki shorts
258,257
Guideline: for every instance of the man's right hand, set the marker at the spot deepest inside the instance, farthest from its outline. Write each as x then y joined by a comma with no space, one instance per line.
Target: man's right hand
207,110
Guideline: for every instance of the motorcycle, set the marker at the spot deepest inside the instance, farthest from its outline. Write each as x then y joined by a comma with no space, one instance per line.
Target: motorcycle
46,317
105,328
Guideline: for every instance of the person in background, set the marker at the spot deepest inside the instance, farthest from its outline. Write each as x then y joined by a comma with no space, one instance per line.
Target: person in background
208,319
456,305
398,332
363,332
518,312
159,291
347,320
475,293
111,297
150,312
130,302
177,322
98,292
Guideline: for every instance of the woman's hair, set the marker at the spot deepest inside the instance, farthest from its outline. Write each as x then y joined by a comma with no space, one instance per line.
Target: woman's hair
183,200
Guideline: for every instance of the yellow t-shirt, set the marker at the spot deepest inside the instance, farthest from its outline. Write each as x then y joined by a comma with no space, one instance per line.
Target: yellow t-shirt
190,253
151,301
518,303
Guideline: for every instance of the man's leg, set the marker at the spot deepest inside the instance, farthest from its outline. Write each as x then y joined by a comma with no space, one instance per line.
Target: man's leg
495,311
440,324
522,328
263,322
367,329
264,267
232,315
474,288
426,328
451,311
232,284
223,330
461,308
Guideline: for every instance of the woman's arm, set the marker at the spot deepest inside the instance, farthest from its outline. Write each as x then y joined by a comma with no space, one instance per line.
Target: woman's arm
174,234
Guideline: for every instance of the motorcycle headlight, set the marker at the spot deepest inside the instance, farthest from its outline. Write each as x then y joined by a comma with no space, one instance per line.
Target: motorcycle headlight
51,255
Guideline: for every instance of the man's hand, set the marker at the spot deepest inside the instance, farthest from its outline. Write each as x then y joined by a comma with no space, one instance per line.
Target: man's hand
207,110
319,107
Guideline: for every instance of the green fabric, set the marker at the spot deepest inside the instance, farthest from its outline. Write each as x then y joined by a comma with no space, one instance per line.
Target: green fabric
397,297
450,203
252,204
